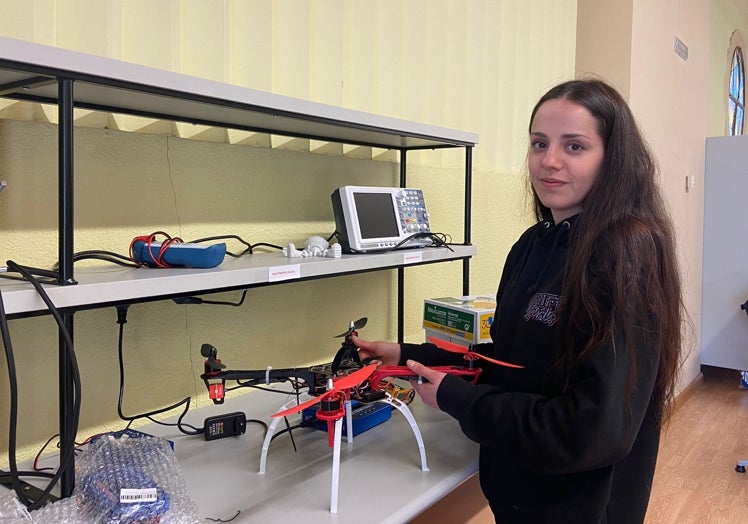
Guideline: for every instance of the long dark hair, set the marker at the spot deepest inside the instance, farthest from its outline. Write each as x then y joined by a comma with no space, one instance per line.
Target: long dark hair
622,274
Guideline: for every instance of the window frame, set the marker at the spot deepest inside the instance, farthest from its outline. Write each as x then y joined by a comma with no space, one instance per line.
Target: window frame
736,93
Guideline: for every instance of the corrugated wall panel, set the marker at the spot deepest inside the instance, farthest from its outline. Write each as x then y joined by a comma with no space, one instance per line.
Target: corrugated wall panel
474,65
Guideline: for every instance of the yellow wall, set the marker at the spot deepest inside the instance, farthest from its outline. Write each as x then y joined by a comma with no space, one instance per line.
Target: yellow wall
472,65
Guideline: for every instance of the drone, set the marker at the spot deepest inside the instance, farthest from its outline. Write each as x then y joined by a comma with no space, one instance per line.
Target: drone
333,386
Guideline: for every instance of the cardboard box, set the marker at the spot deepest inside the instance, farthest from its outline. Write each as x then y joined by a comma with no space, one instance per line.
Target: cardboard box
467,318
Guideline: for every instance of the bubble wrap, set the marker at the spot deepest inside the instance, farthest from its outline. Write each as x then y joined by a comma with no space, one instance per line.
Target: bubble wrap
11,509
145,465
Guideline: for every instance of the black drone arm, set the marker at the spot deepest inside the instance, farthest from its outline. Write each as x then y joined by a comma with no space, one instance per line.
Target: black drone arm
260,377
215,381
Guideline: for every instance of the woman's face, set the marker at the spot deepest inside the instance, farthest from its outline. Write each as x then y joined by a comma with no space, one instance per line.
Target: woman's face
566,152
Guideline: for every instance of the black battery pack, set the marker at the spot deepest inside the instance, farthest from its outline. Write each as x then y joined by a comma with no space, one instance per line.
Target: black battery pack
227,425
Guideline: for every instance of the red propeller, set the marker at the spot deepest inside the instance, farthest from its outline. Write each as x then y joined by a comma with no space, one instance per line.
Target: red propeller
468,352
339,385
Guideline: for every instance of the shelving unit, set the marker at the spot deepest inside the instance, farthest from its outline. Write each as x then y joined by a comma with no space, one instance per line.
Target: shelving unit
37,73
112,285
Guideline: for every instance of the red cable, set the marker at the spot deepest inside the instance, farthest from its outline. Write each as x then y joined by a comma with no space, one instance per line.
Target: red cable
158,259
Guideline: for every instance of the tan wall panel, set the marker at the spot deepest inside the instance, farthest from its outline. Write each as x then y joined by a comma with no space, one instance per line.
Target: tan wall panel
604,47
669,97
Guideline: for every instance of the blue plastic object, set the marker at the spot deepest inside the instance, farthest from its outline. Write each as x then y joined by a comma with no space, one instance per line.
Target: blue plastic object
178,254
365,417
101,492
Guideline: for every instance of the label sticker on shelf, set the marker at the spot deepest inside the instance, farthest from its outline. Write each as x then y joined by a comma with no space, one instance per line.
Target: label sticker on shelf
278,273
413,258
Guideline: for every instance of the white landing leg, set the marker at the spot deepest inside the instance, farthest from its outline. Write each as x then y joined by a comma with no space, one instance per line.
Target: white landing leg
269,436
405,410
349,420
336,466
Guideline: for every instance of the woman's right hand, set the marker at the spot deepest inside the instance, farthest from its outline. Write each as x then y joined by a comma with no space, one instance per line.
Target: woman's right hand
388,353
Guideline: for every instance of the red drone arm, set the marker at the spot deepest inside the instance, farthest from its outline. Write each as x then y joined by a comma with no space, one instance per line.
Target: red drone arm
341,384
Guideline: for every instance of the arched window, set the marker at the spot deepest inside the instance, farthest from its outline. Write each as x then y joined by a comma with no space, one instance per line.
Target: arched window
736,97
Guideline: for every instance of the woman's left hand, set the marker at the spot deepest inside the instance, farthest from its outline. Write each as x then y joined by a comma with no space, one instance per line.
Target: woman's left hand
429,385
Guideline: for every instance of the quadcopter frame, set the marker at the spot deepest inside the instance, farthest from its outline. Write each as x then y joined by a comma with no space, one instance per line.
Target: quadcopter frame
320,382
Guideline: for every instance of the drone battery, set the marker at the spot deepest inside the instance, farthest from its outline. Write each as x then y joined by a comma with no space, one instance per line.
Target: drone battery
365,417
228,425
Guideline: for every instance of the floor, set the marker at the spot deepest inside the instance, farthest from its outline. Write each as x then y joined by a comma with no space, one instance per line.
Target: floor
695,480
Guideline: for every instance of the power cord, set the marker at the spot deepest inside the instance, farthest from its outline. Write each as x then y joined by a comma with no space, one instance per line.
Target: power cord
198,300
187,429
437,240
106,256
68,450
250,247
192,430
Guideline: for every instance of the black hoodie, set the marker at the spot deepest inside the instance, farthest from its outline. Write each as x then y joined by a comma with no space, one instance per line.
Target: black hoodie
554,449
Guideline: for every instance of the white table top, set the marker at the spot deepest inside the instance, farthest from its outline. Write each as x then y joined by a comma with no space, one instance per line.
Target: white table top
381,480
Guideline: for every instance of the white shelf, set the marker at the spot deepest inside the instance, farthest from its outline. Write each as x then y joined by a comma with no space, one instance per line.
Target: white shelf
28,71
112,284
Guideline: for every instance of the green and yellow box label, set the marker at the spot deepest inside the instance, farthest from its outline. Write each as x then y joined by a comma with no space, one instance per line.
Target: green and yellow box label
465,317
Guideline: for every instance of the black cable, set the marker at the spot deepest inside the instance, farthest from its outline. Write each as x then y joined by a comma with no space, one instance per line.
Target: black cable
289,429
224,237
198,300
437,240
40,474
261,388
122,320
250,247
43,280
107,256
290,434
238,512
13,416
68,451
265,244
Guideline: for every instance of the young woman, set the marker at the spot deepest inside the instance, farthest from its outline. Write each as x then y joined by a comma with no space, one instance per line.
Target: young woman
589,303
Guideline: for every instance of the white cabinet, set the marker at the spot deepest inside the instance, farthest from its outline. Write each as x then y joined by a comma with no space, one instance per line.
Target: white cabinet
724,327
